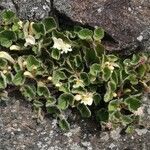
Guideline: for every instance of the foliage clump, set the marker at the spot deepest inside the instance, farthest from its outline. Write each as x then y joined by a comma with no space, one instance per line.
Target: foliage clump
57,70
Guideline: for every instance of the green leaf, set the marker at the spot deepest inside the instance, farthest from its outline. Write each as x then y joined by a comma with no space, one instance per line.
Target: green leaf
29,91
100,50
115,116
58,75
98,34
65,87
97,98
130,129
126,62
37,104
42,90
55,54
38,29
114,77
19,78
3,82
90,56
5,42
113,105
133,79
141,70
126,120
95,69
9,35
53,110
112,58
3,63
102,115
85,78
133,103
50,24
84,110
32,62
9,77
64,125
78,61
108,95
50,101
8,16
112,85
135,59
64,100
106,74
85,34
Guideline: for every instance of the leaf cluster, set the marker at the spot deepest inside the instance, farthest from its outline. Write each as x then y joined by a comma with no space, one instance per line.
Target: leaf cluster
59,70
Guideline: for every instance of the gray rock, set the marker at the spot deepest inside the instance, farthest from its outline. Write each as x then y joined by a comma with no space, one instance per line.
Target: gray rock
7,4
28,9
23,133
124,20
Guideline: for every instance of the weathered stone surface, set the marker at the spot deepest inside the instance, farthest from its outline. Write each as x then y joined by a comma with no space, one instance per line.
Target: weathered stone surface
28,9
19,131
127,21
7,4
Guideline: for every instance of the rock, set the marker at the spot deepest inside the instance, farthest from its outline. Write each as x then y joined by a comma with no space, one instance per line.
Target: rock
28,9
127,21
23,132
7,4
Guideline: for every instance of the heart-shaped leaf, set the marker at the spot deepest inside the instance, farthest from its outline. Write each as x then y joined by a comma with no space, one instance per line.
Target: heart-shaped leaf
32,63
64,100
8,16
50,24
98,34
29,91
84,110
95,69
97,98
85,34
55,54
19,78
38,29
102,115
42,90
106,74
133,103
64,125
58,75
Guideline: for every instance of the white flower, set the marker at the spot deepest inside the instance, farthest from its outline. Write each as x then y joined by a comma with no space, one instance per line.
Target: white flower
9,67
5,71
61,45
20,23
49,78
78,97
24,63
79,83
85,98
114,94
58,84
15,47
139,111
30,40
111,65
